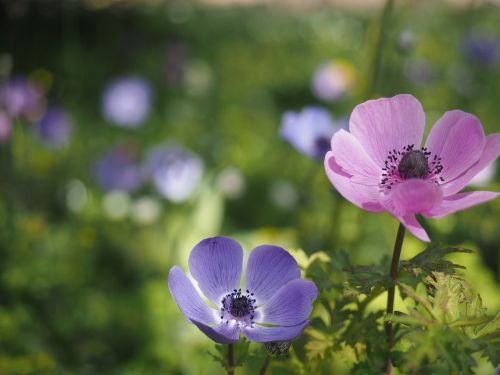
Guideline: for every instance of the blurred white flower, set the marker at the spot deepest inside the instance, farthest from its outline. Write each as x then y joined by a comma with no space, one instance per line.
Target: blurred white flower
332,80
231,182
145,210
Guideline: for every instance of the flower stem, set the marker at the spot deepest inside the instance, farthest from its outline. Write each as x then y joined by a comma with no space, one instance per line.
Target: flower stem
230,359
398,245
265,365
377,56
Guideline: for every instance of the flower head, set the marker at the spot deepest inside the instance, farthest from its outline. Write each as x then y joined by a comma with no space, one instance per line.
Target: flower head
273,304
332,80
482,48
127,101
54,128
309,131
19,96
379,165
174,171
118,170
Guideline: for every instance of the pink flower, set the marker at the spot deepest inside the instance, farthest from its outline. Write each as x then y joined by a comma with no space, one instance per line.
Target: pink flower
379,166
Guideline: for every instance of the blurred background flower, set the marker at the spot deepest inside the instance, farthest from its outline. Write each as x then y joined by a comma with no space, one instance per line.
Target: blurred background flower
310,130
19,96
127,101
332,80
54,129
119,169
482,47
5,127
174,171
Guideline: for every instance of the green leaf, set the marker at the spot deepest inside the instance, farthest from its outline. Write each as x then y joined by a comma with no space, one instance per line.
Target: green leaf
432,260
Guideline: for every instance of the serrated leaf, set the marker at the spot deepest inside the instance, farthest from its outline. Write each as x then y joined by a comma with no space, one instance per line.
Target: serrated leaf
432,260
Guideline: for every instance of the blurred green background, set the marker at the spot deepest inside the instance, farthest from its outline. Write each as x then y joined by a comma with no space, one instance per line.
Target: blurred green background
84,260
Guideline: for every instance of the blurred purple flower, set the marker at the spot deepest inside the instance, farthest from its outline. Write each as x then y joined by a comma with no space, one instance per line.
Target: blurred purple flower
127,101
5,127
19,96
118,170
482,48
332,80
309,131
174,171
274,304
54,129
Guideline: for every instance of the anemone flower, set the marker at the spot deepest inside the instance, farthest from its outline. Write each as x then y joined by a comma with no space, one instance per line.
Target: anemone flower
483,48
126,101
332,80
379,165
309,131
19,96
119,170
174,171
273,304
54,128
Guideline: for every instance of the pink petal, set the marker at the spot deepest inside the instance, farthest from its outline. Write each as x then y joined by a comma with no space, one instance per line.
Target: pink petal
410,222
490,152
414,196
353,159
461,201
389,123
458,138
363,196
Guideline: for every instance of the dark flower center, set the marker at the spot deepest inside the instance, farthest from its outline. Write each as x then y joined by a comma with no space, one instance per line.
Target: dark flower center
413,165
322,146
408,163
238,306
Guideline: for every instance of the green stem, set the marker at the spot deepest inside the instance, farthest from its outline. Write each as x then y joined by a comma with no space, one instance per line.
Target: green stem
398,245
377,58
265,365
230,359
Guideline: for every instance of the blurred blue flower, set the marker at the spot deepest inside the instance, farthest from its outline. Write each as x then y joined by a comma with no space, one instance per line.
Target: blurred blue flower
482,48
5,127
309,131
54,129
19,96
127,101
118,170
174,171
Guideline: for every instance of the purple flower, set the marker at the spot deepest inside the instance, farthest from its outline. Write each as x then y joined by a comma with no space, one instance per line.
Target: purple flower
118,170
54,129
5,127
174,171
18,96
379,166
332,80
273,304
127,101
309,131
482,47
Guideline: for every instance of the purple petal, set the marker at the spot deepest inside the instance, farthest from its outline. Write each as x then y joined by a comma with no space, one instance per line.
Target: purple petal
461,201
490,152
458,138
188,299
216,264
266,334
269,268
389,123
290,305
222,333
363,196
